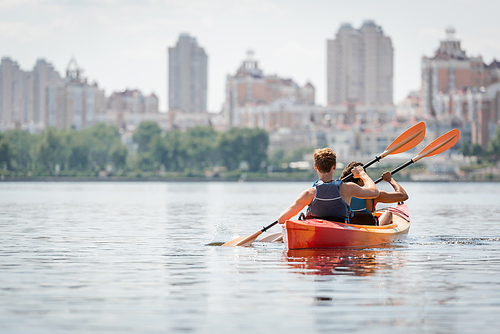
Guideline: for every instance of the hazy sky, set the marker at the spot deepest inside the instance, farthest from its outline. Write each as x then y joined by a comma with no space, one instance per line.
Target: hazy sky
123,43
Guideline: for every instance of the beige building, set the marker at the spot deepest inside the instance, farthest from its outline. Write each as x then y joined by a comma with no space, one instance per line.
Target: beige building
133,101
172,120
461,89
281,113
475,110
450,69
249,89
360,66
43,74
22,93
187,76
12,80
128,121
409,107
73,102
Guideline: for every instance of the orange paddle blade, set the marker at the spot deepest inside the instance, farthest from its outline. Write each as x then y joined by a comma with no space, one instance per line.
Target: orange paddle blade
439,145
407,140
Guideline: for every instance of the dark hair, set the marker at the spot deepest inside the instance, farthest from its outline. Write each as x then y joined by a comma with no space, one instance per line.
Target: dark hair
325,159
347,170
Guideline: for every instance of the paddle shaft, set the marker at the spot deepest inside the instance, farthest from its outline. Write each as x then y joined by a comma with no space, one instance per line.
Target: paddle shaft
365,166
265,228
394,171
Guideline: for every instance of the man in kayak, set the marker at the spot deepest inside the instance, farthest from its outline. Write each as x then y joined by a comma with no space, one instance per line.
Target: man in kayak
363,208
328,199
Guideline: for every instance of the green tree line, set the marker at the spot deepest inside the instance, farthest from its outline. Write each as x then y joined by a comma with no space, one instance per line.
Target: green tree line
65,152
100,148
199,148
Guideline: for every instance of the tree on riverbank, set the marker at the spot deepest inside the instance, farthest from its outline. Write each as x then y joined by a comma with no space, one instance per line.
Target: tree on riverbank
64,152
5,153
99,148
199,148
494,146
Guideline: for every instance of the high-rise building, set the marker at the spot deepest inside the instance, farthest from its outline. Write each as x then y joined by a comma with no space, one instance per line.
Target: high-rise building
360,66
187,77
22,93
43,74
12,87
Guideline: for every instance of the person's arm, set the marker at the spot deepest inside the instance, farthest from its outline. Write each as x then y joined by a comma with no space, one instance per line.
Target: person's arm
304,199
399,194
349,190
369,190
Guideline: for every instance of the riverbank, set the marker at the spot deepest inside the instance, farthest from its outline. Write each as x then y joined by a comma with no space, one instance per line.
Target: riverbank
414,173
414,178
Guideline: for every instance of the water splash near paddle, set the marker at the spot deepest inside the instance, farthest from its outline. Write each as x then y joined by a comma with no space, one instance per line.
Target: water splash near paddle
222,233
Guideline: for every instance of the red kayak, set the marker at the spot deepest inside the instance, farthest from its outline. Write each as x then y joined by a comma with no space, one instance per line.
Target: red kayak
318,233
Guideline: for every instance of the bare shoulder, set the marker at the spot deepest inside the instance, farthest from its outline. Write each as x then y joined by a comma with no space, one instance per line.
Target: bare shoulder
348,187
307,195
353,190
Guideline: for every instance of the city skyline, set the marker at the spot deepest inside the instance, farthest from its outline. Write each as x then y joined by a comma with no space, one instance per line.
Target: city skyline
123,45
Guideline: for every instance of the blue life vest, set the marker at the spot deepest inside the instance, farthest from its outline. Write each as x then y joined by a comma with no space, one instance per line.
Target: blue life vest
358,205
361,215
328,204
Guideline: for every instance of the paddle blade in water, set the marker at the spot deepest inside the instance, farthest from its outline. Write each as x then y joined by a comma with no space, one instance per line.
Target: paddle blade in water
407,140
243,241
275,237
440,144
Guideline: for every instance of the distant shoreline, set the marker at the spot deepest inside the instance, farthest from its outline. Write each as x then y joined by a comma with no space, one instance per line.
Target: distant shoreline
195,179
147,179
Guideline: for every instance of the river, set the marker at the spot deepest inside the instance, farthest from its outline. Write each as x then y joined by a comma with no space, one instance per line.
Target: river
135,258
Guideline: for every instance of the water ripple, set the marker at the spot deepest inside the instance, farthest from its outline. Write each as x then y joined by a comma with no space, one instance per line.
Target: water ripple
133,258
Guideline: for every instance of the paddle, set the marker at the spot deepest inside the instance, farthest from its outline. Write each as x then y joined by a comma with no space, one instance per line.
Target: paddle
249,239
438,145
405,141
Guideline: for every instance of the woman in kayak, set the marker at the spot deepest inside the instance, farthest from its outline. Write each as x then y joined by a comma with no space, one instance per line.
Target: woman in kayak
328,199
363,208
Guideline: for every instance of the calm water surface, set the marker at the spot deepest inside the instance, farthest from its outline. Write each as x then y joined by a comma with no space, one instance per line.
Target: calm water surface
133,258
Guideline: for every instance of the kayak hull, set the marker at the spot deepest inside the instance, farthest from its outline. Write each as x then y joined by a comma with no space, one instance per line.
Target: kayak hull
318,233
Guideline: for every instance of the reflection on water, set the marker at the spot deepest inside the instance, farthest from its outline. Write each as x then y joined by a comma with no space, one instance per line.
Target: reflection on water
446,240
134,258
358,262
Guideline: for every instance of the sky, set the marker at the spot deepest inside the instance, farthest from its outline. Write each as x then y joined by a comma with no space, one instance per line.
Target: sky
123,44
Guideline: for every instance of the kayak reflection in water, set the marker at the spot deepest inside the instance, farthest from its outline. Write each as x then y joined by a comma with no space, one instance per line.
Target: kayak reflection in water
328,199
335,261
363,208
